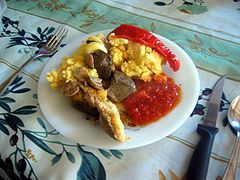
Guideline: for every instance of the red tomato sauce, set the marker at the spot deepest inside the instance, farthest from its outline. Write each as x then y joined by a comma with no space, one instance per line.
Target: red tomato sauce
152,100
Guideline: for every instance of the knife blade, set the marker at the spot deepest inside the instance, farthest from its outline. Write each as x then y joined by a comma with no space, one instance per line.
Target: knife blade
198,166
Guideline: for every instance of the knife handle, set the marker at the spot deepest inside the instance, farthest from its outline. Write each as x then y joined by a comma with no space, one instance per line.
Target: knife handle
198,166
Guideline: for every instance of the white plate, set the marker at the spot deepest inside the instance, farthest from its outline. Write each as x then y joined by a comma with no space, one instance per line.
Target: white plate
73,124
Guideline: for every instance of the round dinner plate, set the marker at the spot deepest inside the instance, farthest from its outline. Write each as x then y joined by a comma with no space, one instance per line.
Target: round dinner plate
75,125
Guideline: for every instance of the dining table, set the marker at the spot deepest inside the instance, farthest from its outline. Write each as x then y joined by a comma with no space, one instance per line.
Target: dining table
31,147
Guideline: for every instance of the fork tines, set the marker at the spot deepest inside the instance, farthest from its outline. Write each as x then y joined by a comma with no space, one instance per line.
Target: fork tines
57,38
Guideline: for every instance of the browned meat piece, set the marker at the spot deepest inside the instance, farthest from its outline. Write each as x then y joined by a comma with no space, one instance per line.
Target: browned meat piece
110,120
103,64
121,87
109,116
81,104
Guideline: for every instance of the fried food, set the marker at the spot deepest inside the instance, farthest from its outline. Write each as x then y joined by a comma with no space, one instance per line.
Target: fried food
98,77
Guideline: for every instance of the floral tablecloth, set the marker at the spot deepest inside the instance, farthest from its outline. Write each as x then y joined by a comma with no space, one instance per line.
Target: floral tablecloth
30,148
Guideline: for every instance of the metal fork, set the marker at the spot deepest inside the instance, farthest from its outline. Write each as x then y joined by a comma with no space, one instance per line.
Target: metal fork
48,49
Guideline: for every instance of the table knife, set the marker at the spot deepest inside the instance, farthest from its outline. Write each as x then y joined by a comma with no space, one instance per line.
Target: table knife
199,162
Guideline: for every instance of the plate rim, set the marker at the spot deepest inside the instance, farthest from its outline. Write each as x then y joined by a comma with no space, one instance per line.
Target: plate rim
171,130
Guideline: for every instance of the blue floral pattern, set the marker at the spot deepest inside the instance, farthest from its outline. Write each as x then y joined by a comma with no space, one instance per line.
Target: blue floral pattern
201,106
18,163
16,168
20,37
195,7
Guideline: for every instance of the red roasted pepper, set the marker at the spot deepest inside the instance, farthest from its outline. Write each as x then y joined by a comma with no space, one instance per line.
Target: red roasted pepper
143,36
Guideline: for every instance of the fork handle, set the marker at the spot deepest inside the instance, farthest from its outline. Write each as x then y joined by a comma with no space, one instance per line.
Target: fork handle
230,172
8,81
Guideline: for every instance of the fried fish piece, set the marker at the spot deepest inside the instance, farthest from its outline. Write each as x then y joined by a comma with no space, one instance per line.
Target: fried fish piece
108,113
110,120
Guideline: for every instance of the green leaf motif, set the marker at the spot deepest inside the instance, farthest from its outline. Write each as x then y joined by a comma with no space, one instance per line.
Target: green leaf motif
56,159
200,106
2,121
17,85
51,30
160,3
4,129
40,121
117,154
225,121
5,106
35,37
29,38
23,90
18,79
10,123
70,157
91,168
16,120
25,110
193,9
105,153
7,100
22,32
39,30
45,30
153,27
39,143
